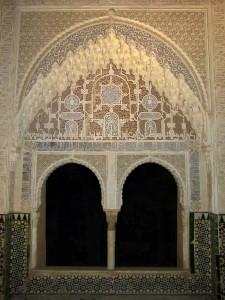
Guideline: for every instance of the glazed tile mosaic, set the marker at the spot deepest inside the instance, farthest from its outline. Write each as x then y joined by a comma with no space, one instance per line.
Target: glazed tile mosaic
19,242
221,271
214,253
2,252
177,282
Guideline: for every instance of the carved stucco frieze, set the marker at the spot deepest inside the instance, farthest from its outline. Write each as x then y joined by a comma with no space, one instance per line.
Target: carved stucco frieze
44,161
186,28
116,2
202,17
48,25
116,146
175,79
26,193
125,162
178,162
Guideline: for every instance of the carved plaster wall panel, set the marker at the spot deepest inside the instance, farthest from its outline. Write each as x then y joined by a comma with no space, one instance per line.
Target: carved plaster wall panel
7,70
110,103
26,193
125,163
140,38
218,17
117,146
171,77
186,28
133,32
48,25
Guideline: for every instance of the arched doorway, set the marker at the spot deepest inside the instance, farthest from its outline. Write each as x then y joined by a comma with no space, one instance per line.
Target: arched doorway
75,222
146,232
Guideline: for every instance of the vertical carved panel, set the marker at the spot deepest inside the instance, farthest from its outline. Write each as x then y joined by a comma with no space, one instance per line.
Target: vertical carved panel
7,59
218,15
26,184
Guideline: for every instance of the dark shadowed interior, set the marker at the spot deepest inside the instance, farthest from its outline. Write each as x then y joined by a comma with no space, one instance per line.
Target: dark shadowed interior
76,231
146,233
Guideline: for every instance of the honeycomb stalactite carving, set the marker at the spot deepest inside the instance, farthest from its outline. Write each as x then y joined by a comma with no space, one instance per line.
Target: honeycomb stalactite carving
168,78
111,104
177,24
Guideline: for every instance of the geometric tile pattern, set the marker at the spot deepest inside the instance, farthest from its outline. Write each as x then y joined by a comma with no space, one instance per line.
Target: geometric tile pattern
175,282
19,250
200,283
15,229
221,238
2,253
214,254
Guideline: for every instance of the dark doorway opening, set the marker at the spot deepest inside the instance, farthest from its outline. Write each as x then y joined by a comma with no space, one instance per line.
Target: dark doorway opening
75,222
146,231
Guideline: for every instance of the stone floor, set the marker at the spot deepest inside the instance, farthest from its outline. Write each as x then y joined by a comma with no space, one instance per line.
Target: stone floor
111,297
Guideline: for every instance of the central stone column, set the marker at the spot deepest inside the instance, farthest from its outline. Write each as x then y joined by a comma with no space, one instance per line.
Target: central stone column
111,217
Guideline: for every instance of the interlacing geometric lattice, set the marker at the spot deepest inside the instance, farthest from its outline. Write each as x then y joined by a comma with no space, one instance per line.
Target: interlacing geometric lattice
119,283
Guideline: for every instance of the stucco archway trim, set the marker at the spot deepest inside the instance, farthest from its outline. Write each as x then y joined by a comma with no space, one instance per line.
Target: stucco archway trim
182,197
53,167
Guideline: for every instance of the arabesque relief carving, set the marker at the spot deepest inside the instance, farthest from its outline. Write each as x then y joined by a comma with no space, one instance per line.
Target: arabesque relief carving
111,51
177,24
110,105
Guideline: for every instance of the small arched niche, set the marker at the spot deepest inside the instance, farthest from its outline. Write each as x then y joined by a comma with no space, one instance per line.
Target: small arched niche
147,226
72,225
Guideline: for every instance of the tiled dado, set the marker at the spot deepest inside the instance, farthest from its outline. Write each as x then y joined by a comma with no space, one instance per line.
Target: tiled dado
2,253
221,255
198,281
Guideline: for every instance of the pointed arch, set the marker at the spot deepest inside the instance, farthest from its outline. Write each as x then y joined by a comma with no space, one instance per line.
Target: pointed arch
54,166
38,88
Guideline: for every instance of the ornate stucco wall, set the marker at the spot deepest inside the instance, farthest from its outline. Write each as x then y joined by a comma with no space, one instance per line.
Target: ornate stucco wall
182,42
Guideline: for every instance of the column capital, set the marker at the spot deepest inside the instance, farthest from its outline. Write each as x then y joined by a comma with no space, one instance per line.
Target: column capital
111,218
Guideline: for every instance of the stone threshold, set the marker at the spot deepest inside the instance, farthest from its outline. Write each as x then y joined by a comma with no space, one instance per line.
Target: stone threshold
73,271
112,297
